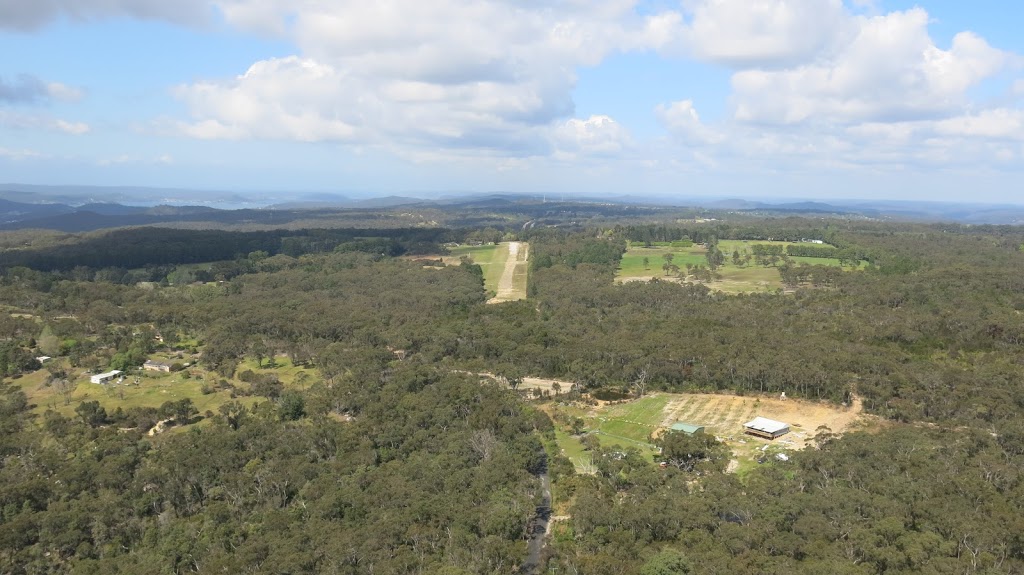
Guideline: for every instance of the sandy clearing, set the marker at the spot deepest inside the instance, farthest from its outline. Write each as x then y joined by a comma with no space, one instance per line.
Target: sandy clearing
724,415
532,383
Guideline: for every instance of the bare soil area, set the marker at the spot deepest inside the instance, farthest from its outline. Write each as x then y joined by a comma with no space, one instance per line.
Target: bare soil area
724,415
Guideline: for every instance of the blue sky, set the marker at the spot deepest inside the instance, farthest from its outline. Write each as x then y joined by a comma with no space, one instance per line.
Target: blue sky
751,98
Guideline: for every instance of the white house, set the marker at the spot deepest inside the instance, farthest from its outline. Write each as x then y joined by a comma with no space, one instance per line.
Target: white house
151,365
105,377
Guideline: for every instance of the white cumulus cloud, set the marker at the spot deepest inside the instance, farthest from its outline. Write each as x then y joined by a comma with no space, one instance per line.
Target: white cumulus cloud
491,76
32,14
889,70
595,136
682,120
770,33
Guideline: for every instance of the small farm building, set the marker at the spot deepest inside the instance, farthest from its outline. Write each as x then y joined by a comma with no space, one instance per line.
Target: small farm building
766,428
687,428
151,365
104,377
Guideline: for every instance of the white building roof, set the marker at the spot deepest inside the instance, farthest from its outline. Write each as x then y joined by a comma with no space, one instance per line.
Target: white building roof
107,374
766,425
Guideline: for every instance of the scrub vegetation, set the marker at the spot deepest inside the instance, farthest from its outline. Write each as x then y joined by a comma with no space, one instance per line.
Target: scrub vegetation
326,414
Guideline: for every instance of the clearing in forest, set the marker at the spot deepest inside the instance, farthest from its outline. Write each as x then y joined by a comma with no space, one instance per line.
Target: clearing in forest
512,283
741,275
153,389
634,423
724,416
504,265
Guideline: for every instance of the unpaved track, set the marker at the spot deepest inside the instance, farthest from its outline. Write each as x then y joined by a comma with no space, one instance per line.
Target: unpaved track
538,528
518,253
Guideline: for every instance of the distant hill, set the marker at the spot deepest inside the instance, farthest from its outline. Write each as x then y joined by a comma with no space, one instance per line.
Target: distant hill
82,208
11,211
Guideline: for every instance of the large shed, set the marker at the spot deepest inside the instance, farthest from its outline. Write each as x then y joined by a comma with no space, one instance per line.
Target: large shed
687,428
105,377
766,428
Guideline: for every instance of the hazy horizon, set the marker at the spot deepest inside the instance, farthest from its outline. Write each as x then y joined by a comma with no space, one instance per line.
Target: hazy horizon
825,99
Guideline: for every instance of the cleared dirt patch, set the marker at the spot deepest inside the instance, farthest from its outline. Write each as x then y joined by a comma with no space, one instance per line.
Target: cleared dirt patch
633,423
724,415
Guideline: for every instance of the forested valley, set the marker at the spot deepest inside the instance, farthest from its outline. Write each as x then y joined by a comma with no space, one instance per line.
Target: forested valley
392,456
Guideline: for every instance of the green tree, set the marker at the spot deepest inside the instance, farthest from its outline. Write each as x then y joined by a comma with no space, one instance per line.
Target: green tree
292,406
92,413
693,452
667,562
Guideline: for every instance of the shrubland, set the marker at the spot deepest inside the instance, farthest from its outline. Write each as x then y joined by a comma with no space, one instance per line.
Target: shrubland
391,458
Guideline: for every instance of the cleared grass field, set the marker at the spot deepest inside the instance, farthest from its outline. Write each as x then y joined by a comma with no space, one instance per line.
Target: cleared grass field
491,260
155,388
745,278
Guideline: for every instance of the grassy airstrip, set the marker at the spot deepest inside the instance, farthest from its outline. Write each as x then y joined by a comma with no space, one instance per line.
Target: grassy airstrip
491,259
744,278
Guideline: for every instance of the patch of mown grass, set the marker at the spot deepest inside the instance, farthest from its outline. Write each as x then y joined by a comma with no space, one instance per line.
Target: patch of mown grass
646,410
571,448
747,277
490,258
630,424
155,388
151,391
297,376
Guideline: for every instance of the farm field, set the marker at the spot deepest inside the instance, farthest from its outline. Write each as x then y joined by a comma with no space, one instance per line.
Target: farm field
632,423
746,278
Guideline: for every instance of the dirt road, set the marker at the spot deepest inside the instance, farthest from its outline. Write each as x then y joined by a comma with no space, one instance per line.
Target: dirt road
537,530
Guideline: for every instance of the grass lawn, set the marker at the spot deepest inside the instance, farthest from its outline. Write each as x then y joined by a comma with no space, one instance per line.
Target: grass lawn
572,448
155,388
745,278
491,260
632,264
631,424
291,376
152,391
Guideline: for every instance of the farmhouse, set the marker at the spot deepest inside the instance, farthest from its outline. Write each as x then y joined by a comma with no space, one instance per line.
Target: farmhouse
105,377
687,428
766,428
151,365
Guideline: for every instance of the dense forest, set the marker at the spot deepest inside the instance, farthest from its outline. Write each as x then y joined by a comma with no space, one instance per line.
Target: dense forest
394,458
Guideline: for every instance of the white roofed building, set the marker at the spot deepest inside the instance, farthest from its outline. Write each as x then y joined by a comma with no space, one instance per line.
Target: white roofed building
766,428
105,377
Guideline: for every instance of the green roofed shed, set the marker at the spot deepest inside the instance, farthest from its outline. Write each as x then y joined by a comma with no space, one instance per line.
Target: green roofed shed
688,428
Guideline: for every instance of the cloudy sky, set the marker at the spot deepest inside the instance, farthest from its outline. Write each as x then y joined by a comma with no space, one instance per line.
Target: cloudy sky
753,98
